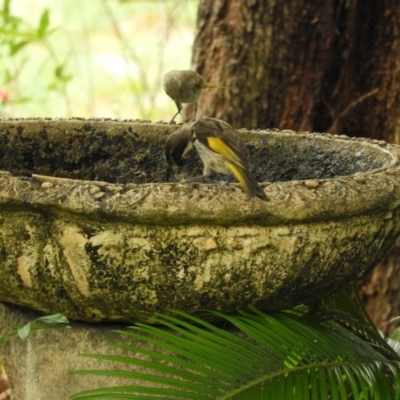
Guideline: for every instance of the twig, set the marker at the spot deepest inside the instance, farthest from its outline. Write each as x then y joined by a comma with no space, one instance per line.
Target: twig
358,101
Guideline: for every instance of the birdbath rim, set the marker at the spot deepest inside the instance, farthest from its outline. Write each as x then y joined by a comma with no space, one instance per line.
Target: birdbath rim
176,203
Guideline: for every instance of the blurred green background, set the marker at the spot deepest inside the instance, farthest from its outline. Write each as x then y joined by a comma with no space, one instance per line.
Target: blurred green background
97,58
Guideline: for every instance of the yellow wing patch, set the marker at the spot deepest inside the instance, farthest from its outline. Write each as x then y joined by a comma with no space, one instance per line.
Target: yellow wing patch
219,146
239,175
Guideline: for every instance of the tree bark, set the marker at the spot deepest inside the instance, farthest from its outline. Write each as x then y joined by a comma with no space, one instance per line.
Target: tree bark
380,290
323,65
328,66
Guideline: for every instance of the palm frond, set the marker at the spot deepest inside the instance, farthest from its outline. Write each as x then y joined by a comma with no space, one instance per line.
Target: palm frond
287,355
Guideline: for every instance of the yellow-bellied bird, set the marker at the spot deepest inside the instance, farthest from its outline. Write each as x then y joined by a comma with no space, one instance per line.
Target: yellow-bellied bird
185,87
220,148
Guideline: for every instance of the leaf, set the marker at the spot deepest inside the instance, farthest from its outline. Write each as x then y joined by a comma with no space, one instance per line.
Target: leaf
16,47
54,319
288,354
395,334
23,331
43,24
394,344
6,9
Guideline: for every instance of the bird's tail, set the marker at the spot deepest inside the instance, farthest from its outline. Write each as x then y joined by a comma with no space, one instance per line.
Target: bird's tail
247,180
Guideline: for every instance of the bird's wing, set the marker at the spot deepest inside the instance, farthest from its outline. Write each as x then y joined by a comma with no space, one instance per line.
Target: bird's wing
220,137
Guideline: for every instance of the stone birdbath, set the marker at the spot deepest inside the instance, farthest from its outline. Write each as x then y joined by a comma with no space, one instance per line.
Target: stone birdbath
90,228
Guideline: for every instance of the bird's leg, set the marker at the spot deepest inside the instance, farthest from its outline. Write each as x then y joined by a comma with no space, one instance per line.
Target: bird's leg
172,122
179,106
195,111
201,178
207,171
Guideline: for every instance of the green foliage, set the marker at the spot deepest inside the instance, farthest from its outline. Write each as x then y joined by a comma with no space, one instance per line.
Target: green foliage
19,42
103,59
394,338
23,331
43,24
305,353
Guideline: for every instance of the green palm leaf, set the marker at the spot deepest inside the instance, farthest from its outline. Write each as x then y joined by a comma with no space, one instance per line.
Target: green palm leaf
325,354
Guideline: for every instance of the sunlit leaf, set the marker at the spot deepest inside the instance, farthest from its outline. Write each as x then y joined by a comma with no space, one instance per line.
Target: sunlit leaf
61,74
54,319
44,22
23,331
6,9
16,47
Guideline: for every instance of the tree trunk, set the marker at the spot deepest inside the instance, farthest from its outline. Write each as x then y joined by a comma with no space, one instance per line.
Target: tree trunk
380,290
328,66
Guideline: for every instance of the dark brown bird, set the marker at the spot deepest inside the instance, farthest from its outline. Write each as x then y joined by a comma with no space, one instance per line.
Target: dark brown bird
185,87
220,148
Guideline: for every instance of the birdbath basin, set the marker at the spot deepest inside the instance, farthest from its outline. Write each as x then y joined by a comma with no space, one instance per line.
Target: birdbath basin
90,228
